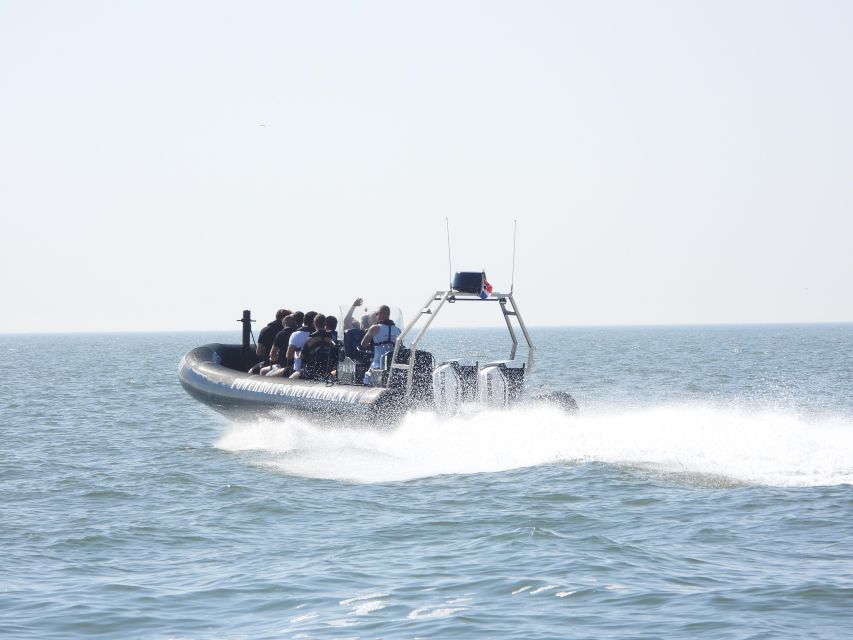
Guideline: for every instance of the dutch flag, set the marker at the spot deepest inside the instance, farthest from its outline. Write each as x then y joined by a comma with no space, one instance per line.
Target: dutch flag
486,289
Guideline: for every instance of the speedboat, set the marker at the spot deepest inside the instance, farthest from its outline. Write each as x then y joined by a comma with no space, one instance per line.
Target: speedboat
408,379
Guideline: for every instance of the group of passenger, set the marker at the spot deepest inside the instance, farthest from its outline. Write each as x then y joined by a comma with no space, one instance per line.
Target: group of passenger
306,345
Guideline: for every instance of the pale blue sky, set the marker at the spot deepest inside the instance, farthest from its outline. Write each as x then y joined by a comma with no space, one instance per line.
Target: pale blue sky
668,162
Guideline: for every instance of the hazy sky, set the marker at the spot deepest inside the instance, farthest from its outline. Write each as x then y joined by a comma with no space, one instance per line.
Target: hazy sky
164,165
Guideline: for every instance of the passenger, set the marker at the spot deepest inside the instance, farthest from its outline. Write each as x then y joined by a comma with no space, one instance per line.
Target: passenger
381,336
298,339
319,356
278,354
332,327
352,342
348,317
266,339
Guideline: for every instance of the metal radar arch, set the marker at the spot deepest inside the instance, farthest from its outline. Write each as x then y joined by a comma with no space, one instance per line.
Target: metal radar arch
466,287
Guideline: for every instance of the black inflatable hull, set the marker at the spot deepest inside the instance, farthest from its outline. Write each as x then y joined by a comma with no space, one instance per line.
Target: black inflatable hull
214,375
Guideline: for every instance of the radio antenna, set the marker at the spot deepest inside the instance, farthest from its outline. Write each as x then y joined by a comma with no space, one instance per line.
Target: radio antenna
514,233
449,263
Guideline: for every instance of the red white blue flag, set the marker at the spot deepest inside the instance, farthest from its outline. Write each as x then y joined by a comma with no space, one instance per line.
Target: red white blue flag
486,289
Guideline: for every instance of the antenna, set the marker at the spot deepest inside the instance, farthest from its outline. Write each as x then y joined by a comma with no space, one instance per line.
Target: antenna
449,263
514,233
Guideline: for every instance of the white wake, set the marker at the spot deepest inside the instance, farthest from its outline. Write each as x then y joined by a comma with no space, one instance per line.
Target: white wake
768,448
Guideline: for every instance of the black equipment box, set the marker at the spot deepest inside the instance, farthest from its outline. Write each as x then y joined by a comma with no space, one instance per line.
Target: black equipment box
468,281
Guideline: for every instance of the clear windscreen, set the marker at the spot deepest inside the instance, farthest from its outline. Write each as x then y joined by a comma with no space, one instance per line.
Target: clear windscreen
365,315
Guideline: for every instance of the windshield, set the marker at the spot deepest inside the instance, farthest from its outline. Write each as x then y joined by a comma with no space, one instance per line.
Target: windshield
365,315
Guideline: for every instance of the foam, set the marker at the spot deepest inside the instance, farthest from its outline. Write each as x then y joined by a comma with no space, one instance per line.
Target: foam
756,447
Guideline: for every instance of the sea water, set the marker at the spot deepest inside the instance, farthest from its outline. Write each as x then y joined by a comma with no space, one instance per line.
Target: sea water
705,490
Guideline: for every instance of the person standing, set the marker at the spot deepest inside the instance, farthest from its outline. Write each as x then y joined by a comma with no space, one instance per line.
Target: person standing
381,337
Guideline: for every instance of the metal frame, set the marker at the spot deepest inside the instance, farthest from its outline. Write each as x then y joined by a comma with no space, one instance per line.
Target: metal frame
440,297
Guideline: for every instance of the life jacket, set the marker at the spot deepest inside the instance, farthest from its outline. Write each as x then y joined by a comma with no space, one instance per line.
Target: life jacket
319,356
384,341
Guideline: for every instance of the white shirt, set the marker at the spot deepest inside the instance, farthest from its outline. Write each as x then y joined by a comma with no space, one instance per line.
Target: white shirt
297,341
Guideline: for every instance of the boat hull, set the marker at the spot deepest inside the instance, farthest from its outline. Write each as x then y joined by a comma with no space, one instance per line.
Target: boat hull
212,374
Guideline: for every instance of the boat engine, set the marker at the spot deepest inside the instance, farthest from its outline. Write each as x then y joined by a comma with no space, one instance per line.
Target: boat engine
453,383
500,383
496,384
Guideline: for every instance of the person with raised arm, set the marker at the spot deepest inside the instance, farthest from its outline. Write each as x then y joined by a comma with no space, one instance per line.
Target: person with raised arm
347,323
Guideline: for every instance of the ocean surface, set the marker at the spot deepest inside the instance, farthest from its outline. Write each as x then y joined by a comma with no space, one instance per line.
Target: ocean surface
704,491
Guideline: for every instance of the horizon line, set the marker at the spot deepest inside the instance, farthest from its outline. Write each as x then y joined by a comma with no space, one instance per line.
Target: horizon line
532,326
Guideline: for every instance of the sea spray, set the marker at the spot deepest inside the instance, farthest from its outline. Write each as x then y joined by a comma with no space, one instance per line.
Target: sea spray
744,446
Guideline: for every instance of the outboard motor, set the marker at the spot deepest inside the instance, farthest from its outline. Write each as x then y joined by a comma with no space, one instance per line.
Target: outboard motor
453,383
500,383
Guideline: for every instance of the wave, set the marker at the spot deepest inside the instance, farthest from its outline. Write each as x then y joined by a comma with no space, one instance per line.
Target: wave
753,447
